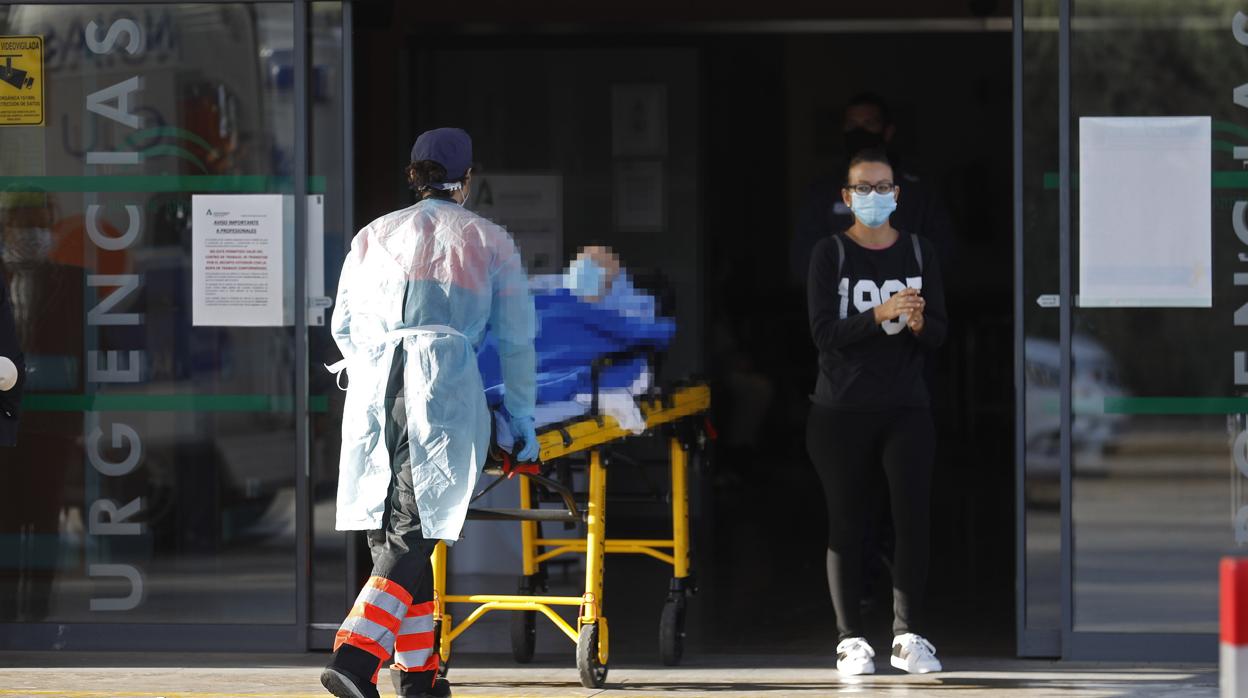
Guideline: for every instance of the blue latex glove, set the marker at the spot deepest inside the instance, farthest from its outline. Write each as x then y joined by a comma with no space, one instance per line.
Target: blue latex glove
525,447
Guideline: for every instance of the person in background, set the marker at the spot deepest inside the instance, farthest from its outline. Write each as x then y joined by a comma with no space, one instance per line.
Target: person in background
419,288
876,308
12,368
41,311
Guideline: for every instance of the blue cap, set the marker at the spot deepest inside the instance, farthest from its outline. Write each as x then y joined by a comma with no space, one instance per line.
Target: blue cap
449,147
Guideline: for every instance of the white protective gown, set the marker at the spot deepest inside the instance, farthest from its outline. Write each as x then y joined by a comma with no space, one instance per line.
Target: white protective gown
429,280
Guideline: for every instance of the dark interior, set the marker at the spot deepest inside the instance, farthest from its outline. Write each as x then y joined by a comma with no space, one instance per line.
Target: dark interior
753,103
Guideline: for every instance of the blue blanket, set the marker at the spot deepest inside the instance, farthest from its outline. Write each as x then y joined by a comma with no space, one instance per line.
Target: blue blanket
571,333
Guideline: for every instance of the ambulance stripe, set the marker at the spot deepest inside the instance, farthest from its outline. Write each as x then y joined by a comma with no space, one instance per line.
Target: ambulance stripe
418,641
392,588
367,628
376,615
382,600
416,660
345,637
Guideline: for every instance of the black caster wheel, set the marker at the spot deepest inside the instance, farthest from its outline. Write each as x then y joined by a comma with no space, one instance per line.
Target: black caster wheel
523,635
672,632
593,672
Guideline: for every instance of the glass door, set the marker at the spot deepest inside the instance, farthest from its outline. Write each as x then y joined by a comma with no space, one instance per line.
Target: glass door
1131,344
175,456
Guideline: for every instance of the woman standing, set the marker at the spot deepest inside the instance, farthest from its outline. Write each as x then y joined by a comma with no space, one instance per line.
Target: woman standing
876,308
419,287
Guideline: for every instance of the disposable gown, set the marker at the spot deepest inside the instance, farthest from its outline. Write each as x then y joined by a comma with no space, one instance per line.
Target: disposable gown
427,280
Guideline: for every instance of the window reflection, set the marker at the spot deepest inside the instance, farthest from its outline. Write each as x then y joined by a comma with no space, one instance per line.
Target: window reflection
1150,507
156,458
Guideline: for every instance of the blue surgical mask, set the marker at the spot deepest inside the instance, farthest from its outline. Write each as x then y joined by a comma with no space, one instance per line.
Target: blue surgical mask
586,278
873,210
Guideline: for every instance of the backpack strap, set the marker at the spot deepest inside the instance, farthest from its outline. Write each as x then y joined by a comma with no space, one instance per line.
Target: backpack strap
840,255
918,251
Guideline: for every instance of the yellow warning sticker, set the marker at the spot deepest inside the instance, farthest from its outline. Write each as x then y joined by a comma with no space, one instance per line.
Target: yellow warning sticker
21,80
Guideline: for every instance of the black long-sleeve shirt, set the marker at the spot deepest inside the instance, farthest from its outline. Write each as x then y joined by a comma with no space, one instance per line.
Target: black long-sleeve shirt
864,365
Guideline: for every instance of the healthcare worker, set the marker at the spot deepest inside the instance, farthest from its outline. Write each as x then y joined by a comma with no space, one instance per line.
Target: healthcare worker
876,304
419,289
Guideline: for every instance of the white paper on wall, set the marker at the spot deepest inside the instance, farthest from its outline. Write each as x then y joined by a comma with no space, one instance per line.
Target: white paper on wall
1145,197
237,274
530,206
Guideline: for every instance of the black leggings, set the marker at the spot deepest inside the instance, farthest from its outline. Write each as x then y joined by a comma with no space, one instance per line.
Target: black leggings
848,449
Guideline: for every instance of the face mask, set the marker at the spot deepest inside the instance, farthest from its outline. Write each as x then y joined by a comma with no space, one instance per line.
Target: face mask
586,278
859,139
873,210
26,245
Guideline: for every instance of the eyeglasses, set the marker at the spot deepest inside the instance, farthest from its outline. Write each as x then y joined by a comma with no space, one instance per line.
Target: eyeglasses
878,187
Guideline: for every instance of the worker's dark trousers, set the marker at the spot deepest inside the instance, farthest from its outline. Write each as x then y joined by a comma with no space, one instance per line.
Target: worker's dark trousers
394,612
848,448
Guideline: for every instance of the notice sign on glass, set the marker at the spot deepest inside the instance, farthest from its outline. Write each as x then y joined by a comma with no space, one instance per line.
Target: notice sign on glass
21,80
237,260
1145,227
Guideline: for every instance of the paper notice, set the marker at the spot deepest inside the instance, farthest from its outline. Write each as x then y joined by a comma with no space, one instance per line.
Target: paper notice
237,260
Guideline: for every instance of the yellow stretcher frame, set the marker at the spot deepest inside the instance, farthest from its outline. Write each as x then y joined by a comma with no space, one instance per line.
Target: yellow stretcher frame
591,635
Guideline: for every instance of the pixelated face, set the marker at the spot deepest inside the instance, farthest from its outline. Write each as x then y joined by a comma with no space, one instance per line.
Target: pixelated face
606,260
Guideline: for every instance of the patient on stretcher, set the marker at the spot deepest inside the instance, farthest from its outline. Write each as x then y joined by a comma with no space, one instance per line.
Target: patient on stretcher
590,311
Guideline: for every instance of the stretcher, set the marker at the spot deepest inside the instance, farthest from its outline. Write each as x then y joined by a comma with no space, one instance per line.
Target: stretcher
678,416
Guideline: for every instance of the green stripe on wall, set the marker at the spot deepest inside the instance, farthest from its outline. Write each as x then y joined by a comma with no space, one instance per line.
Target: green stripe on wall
1176,405
1229,179
103,402
246,184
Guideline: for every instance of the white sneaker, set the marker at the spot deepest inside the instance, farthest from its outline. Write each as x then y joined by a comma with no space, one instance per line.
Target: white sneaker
855,657
915,655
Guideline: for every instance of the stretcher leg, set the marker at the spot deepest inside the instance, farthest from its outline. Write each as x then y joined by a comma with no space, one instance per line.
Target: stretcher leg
524,623
442,622
672,620
680,508
593,642
528,529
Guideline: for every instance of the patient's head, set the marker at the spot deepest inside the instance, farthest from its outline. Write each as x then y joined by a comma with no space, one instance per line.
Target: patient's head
592,272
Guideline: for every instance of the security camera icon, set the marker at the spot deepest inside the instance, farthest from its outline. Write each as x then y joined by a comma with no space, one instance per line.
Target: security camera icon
14,76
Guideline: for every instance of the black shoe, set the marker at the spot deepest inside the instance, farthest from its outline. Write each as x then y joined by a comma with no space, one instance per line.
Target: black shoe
344,685
419,684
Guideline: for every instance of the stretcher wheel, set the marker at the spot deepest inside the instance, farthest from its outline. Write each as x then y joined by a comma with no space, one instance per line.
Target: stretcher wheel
523,635
672,632
593,672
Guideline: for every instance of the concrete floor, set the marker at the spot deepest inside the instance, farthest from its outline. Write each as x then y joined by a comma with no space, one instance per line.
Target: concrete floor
115,675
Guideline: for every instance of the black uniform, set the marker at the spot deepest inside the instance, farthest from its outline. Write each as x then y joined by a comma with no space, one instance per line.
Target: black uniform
401,554
871,412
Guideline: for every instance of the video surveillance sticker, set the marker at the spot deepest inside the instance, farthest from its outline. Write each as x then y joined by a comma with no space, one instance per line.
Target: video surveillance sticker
21,80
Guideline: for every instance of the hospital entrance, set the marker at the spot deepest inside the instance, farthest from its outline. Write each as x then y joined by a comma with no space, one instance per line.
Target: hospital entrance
178,446
690,152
